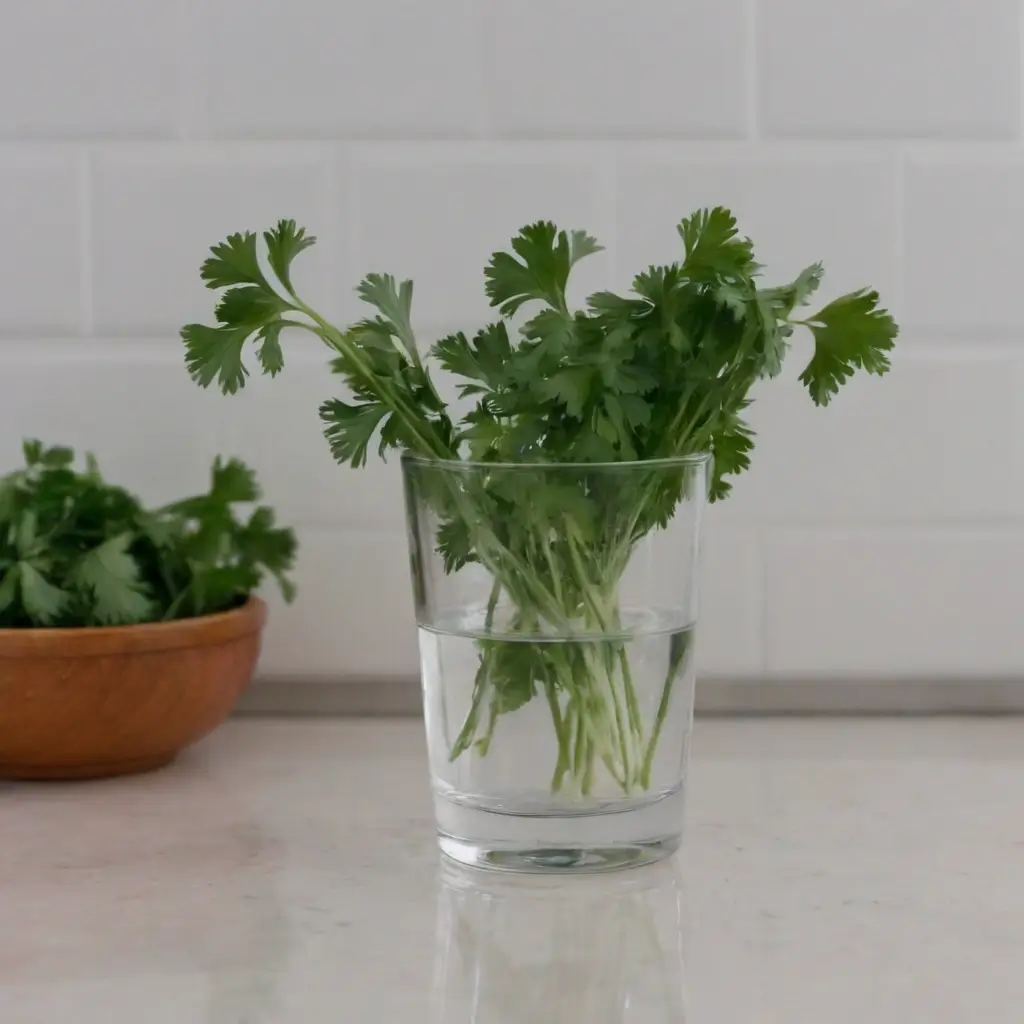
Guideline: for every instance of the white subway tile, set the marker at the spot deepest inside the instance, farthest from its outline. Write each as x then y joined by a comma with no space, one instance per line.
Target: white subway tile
40,286
436,213
964,224
85,70
157,211
603,68
917,68
152,430
799,204
937,440
275,426
919,602
316,69
878,537
353,617
729,629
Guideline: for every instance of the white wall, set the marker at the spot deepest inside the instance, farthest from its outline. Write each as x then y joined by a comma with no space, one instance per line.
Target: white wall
882,536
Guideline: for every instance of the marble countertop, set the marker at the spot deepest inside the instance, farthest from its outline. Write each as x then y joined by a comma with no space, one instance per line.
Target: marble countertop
284,872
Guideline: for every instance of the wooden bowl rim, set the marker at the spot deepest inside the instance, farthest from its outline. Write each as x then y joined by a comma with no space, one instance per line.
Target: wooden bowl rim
97,641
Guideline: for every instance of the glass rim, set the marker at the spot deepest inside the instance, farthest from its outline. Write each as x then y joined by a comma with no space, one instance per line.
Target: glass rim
671,461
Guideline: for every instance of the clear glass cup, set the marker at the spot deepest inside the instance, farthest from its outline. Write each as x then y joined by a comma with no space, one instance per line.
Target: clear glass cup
556,607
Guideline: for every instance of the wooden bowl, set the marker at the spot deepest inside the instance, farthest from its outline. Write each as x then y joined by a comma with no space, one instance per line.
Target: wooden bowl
89,703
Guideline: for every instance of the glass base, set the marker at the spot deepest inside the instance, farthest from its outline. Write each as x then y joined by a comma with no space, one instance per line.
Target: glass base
556,843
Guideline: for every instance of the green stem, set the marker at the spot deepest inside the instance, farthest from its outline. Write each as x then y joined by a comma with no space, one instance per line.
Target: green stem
562,765
480,683
635,719
666,696
620,730
417,425
465,738
580,748
587,783
484,743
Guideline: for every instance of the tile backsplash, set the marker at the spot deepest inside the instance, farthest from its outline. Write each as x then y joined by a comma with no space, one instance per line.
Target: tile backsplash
882,537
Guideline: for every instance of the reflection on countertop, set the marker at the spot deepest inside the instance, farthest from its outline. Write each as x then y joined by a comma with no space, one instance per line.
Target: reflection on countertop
834,872
524,949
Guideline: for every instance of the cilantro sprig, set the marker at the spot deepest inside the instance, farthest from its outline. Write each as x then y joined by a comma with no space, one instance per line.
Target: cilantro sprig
77,551
662,372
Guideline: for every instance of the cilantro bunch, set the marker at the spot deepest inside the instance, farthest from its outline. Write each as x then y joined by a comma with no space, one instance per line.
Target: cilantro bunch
77,551
658,374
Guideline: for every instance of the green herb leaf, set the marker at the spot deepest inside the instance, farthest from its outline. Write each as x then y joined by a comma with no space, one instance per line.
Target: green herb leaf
251,309
261,542
77,551
269,352
350,428
215,353
850,333
395,303
484,359
731,447
112,576
233,261
546,255
789,297
714,248
43,601
9,588
455,545
662,373
284,243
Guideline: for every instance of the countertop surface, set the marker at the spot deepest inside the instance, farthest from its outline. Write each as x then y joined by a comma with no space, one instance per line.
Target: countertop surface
285,872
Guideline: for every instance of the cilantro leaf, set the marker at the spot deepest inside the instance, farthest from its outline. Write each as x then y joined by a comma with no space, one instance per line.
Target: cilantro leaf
773,337
731,446
9,588
395,303
248,305
285,242
249,309
787,298
350,428
244,312
850,333
261,542
77,551
231,482
374,368
546,255
484,359
112,576
233,261
269,351
713,245
43,601
454,545
571,387
580,245
662,373
33,451
215,354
